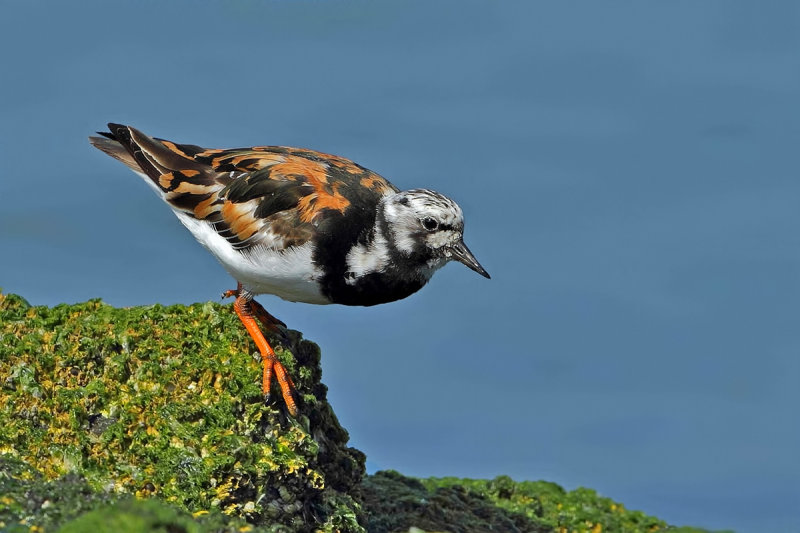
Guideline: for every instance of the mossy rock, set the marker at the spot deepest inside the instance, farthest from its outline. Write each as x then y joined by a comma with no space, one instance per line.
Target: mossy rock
28,500
151,419
166,402
131,516
395,503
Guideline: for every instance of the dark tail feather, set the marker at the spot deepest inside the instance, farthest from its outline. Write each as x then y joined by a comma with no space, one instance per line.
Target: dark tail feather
108,144
125,136
146,154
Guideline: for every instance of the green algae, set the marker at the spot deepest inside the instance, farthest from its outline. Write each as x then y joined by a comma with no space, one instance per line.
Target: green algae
165,401
28,500
134,517
394,502
548,504
152,419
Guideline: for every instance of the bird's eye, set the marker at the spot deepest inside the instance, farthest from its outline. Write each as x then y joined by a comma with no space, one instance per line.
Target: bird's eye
429,223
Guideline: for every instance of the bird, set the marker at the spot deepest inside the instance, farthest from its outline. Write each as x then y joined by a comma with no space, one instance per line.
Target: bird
302,225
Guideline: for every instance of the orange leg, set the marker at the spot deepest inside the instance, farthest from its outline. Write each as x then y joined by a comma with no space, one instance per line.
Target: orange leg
270,322
243,307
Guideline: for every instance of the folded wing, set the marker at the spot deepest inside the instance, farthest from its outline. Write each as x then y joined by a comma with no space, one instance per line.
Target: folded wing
272,196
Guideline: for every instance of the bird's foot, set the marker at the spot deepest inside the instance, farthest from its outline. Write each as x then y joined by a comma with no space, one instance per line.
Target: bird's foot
232,292
271,323
228,294
271,365
248,311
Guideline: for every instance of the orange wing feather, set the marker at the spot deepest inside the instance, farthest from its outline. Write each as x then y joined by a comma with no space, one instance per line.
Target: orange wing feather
273,195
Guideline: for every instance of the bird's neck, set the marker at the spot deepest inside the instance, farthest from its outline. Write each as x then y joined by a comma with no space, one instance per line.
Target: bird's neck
375,269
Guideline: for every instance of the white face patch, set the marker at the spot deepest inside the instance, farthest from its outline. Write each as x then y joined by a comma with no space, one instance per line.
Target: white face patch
405,212
362,260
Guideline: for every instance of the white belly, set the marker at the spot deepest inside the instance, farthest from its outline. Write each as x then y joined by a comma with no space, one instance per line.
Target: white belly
289,274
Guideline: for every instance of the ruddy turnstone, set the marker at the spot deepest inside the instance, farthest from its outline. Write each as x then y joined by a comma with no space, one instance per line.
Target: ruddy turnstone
302,225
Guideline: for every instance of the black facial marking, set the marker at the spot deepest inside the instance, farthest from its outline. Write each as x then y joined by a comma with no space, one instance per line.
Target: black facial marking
339,235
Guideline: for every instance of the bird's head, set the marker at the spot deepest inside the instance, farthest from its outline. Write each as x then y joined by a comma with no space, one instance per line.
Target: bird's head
428,227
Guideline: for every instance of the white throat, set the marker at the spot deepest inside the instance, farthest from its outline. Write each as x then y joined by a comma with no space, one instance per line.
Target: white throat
365,259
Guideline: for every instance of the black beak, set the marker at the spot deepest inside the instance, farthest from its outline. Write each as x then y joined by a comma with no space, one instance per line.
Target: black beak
461,253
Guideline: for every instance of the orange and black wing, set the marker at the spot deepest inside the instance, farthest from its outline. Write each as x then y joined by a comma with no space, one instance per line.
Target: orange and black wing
266,195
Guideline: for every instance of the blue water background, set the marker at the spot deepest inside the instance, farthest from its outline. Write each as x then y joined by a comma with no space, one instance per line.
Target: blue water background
630,177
